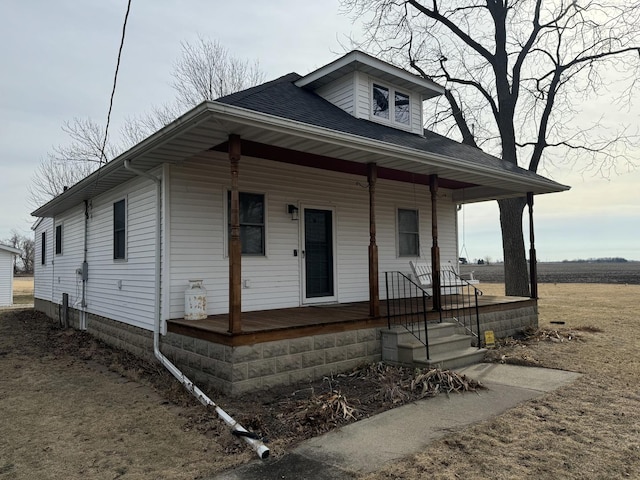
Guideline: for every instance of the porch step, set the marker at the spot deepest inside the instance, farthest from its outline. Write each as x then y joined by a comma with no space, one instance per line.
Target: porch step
452,360
437,346
447,347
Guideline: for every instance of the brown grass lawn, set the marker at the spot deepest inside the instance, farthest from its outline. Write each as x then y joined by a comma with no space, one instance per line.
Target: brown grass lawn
65,415
588,430
22,290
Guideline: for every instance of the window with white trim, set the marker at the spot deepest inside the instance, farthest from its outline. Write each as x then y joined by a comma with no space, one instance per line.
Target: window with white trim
389,104
58,239
408,233
252,222
43,248
120,230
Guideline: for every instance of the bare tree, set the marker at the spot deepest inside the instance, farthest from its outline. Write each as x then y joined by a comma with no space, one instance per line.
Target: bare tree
205,71
26,245
67,164
517,74
53,175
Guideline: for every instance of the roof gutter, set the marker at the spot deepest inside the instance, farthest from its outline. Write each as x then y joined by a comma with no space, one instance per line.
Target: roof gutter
220,111
237,429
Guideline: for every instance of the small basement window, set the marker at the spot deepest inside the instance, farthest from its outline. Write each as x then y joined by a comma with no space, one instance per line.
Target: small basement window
385,100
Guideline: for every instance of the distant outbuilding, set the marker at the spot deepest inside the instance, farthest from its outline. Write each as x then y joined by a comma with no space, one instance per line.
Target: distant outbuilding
6,274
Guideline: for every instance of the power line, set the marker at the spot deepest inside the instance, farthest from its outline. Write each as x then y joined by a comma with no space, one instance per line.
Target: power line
115,80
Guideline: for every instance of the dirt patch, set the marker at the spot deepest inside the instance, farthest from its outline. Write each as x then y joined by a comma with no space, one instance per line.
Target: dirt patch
68,389
72,407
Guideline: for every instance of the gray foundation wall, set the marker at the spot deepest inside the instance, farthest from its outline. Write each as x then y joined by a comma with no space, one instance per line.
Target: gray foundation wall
237,370
508,322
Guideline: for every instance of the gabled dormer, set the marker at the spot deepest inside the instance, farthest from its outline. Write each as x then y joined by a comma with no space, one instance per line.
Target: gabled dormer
374,90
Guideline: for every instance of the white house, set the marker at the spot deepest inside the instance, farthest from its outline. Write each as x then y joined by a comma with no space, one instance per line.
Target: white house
290,201
7,255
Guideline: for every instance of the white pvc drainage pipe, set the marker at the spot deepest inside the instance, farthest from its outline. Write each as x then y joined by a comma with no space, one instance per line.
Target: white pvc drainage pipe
261,449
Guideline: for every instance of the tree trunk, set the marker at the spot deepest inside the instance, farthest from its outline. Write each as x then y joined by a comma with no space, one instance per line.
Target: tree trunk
516,277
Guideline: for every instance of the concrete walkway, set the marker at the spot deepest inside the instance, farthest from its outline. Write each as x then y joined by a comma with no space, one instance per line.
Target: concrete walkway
366,445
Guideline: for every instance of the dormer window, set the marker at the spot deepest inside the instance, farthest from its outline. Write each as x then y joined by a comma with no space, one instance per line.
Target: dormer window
389,104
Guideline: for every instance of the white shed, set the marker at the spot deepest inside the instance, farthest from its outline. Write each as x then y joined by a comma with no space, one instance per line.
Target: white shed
6,274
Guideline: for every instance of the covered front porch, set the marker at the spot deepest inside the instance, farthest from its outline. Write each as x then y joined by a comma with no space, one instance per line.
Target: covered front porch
287,323
291,345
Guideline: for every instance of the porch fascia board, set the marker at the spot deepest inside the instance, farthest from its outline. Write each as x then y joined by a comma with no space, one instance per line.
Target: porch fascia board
382,151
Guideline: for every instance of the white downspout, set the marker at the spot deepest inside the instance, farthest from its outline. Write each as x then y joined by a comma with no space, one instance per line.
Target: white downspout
261,449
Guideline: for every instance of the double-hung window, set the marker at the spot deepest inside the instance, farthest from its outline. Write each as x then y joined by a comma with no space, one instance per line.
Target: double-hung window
389,104
252,222
408,233
120,230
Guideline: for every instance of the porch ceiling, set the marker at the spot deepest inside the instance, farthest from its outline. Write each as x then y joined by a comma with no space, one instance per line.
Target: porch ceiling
210,124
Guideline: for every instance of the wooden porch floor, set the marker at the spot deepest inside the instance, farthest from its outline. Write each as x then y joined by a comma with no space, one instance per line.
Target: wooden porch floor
269,325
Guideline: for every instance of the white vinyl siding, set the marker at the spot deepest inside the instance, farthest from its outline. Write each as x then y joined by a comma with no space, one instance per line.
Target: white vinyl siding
43,279
63,268
417,122
198,228
195,249
6,277
340,92
123,291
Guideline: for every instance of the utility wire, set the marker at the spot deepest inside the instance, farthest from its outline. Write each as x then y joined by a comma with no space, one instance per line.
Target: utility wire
113,91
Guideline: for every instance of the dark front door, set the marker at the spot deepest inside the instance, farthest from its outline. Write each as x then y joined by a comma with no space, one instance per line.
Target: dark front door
318,256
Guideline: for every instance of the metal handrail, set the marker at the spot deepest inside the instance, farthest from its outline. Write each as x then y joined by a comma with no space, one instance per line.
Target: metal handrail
461,303
407,306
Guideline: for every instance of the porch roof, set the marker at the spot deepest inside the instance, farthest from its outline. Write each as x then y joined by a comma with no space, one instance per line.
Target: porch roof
280,114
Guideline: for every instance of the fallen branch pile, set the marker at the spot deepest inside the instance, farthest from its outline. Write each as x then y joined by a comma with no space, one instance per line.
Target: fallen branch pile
434,381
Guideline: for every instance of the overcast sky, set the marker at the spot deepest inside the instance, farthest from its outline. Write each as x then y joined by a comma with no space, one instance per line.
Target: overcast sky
57,60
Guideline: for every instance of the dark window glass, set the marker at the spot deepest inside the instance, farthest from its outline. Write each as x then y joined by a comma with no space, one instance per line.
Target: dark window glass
251,222
58,239
401,105
43,248
119,229
380,101
408,233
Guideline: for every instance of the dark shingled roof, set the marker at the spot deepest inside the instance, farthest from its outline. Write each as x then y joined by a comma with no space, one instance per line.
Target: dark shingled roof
282,98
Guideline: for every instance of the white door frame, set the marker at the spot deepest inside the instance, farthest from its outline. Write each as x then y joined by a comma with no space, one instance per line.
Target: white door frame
303,278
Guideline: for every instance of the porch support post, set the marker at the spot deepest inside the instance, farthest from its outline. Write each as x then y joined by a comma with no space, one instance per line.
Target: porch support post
533,261
435,249
235,247
374,286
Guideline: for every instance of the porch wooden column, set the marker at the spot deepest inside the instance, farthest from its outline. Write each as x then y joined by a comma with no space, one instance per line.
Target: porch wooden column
533,261
374,285
235,247
435,249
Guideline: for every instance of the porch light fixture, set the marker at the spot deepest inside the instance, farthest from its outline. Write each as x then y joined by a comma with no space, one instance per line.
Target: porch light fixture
293,211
